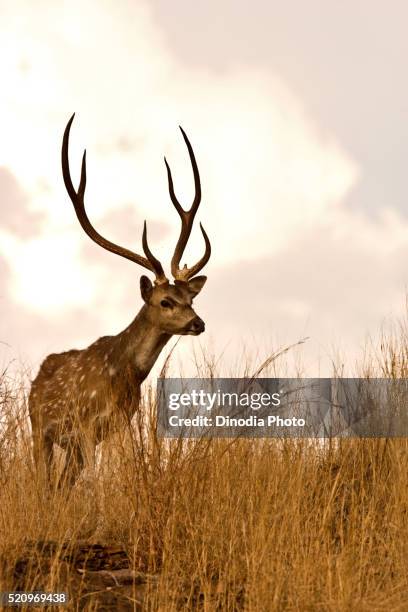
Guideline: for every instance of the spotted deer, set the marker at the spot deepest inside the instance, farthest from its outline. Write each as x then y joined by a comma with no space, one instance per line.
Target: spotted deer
79,396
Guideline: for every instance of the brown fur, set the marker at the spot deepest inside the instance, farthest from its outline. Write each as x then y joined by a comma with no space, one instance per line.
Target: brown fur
79,396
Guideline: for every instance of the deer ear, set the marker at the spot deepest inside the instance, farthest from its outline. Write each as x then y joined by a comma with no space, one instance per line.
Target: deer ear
196,284
146,288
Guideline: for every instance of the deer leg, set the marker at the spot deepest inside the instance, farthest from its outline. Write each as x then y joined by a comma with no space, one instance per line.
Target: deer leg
43,453
74,463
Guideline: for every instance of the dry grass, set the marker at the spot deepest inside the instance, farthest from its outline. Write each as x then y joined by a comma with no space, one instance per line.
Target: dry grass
223,524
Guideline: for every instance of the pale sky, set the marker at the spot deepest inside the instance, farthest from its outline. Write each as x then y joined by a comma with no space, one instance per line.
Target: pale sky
297,115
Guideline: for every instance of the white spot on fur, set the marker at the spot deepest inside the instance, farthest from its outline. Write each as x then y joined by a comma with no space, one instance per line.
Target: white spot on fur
112,371
93,394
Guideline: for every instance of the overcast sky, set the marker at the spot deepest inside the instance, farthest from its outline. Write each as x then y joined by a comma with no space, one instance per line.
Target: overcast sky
297,114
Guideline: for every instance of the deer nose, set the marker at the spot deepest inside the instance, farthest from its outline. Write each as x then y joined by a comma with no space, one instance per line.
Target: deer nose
197,325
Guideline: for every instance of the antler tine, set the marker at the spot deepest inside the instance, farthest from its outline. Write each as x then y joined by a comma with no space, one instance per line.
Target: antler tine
201,263
152,259
77,198
187,219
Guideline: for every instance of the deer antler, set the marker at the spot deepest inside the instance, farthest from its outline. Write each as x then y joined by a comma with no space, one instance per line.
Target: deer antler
77,197
187,219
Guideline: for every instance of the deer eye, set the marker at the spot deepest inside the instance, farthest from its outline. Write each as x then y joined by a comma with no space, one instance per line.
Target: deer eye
166,304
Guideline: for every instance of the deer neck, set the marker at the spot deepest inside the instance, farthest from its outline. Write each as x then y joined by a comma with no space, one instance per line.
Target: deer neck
140,344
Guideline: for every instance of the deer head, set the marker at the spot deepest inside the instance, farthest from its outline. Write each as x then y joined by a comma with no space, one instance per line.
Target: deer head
168,306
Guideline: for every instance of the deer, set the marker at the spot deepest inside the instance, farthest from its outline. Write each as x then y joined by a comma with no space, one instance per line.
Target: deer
81,395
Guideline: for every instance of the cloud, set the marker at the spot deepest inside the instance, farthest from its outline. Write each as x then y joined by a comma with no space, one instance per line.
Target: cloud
341,280
263,162
272,178
17,217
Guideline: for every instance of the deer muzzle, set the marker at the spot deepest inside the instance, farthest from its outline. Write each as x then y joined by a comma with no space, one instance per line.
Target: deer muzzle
196,327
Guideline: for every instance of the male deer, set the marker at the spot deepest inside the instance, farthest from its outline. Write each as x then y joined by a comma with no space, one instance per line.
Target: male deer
78,395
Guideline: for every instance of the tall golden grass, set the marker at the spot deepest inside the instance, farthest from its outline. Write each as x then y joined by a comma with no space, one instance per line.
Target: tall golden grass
223,524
